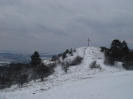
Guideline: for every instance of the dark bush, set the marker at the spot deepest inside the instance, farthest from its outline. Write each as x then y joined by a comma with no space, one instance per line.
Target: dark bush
44,71
77,60
103,49
60,55
128,61
5,82
94,65
109,59
118,50
22,80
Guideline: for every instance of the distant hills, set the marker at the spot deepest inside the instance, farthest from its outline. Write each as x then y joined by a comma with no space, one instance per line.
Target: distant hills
10,56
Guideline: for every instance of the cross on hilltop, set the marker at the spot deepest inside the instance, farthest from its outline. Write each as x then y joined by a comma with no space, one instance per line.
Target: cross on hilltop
88,41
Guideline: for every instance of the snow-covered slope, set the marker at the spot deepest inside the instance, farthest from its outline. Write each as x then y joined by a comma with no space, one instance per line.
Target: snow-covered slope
89,55
80,82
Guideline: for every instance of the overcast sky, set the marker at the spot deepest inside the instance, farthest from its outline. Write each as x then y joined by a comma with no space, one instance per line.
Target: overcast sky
54,25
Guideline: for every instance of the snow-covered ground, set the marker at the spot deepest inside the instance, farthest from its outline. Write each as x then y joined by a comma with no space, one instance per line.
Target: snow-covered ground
80,82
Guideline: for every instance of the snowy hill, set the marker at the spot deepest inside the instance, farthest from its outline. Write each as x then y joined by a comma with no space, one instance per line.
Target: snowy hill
80,82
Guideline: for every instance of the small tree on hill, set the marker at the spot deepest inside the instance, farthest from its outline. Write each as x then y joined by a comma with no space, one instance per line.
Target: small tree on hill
43,71
35,59
117,52
124,47
67,51
59,55
71,52
116,44
64,55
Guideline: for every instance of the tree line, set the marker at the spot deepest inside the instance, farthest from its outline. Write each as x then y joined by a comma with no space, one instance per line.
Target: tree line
118,52
21,73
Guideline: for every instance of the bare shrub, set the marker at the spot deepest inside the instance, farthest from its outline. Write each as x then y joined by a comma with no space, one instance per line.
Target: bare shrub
67,64
77,60
94,65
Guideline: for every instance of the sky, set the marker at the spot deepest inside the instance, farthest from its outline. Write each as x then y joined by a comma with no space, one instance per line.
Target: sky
53,26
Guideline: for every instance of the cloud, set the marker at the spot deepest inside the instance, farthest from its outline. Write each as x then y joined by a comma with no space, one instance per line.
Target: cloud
55,25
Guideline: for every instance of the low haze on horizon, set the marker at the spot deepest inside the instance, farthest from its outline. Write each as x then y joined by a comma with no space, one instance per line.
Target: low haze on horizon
53,26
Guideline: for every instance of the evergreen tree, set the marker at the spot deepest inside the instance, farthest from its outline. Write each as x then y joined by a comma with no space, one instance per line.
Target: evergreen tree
35,59
64,55
116,49
67,51
116,44
71,52
117,52
124,46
